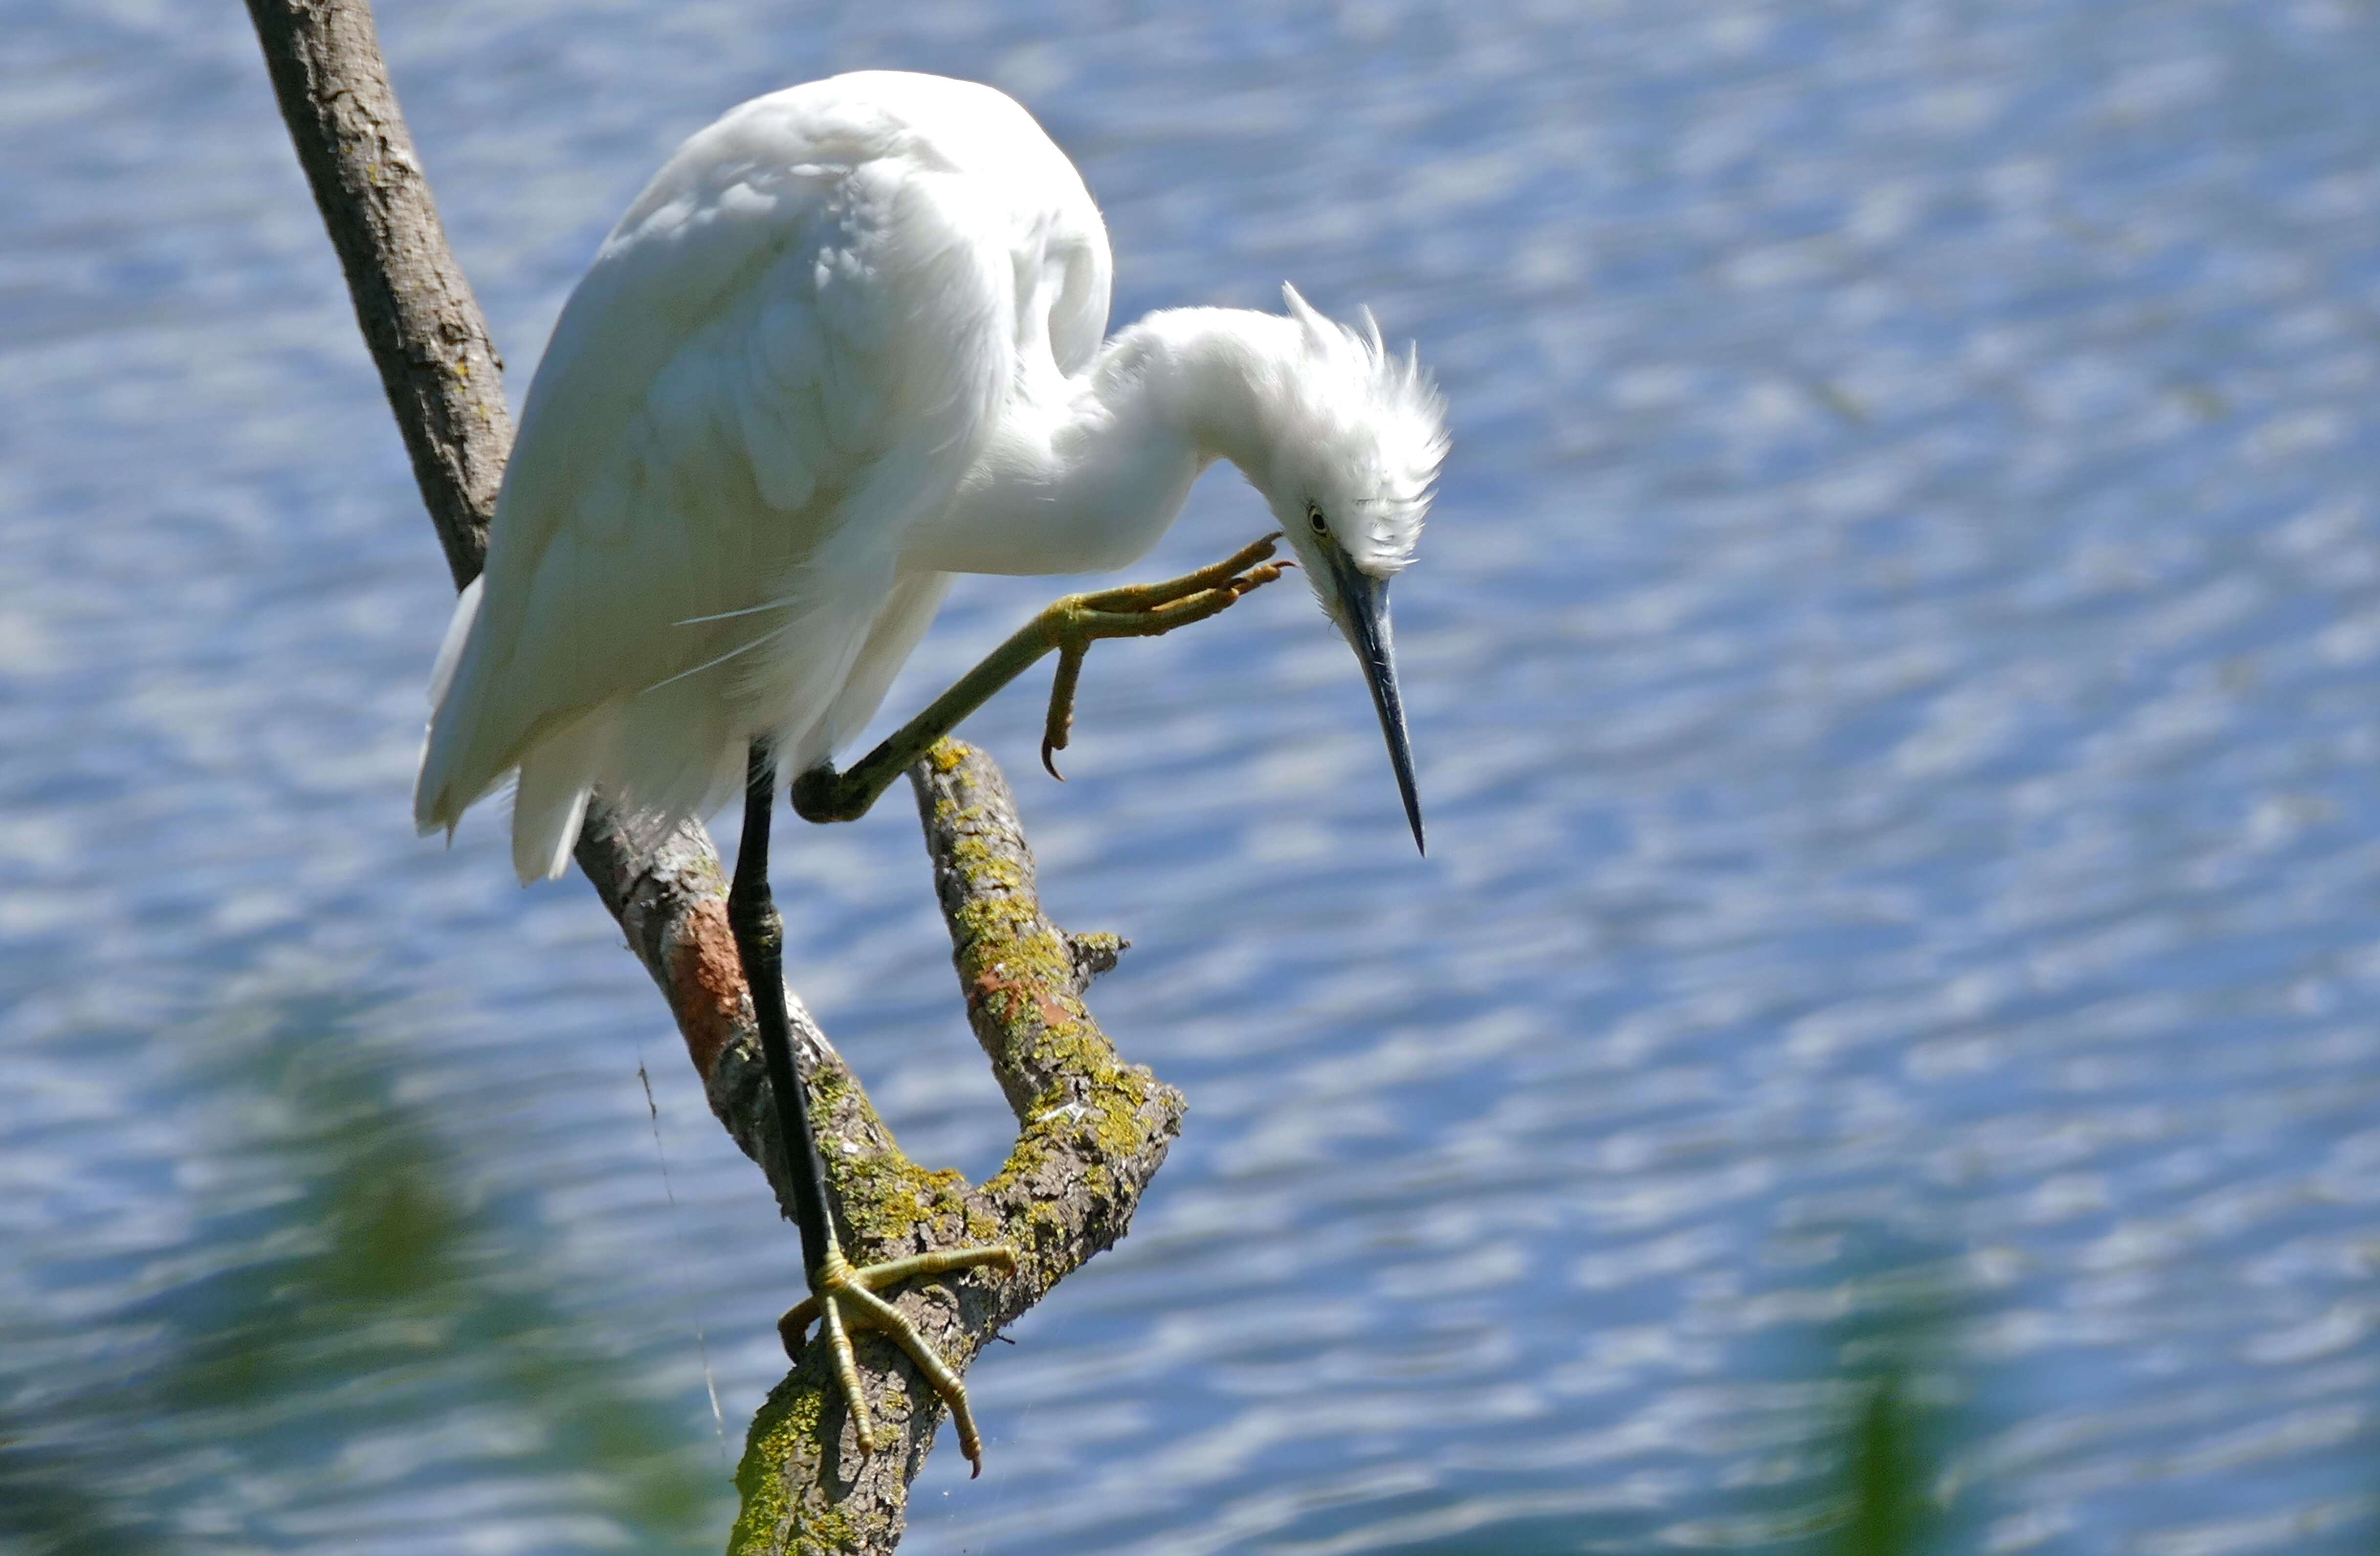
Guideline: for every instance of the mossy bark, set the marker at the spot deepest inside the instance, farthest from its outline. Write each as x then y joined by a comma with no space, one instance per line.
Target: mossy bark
1091,1132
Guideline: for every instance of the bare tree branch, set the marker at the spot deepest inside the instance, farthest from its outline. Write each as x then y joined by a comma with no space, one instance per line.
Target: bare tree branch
427,335
1092,1129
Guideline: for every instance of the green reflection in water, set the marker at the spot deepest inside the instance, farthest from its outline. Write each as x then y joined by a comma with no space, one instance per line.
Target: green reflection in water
346,1329
1861,1456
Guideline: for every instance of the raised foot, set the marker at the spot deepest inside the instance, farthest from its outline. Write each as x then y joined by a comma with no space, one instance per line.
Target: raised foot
1076,622
845,1293
1070,626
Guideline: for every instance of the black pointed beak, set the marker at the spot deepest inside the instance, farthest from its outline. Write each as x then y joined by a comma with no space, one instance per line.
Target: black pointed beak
1364,612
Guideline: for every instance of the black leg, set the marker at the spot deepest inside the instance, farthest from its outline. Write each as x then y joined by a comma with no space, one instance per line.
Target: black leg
760,943
843,1297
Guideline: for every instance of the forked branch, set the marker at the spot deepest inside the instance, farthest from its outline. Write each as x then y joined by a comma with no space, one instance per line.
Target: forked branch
1092,1129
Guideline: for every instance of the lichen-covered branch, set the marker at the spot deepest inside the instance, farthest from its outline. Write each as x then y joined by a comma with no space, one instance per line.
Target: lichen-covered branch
1091,1132
1092,1129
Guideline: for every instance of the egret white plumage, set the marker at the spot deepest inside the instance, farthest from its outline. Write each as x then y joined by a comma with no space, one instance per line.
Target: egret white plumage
851,340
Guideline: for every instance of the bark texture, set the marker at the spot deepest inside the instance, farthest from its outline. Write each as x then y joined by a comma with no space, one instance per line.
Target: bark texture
427,335
1091,1129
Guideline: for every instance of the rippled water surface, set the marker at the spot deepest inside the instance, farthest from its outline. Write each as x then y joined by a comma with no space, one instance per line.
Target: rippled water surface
1893,677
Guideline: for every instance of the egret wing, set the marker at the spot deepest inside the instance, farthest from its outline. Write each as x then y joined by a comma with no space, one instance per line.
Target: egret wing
791,346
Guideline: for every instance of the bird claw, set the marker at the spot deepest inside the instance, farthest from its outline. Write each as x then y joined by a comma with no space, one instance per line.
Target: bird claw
843,1296
1141,610
1060,723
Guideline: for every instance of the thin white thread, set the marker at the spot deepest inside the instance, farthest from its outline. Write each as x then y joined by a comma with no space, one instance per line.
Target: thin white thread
677,1237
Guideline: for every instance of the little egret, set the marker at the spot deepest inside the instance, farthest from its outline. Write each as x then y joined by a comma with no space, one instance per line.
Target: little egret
848,342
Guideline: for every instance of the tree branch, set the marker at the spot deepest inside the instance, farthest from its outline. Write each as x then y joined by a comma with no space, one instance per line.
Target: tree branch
427,335
1092,1129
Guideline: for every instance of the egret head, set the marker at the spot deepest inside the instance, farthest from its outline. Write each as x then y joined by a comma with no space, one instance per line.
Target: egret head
1358,438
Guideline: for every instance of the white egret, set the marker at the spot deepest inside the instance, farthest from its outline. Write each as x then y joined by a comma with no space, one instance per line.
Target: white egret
848,342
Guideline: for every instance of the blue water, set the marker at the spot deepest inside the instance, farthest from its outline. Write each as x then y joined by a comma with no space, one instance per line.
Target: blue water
1894,677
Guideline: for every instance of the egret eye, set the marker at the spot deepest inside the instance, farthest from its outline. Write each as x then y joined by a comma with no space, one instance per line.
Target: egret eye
1313,518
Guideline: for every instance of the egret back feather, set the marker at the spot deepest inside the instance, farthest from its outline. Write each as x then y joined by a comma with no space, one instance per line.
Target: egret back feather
792,344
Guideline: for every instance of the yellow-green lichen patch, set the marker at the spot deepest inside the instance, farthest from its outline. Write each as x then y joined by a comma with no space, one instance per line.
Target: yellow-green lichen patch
706,877
982,862
1111,1096
782,1431
1117,1098
887,1199
834,1089
827,1529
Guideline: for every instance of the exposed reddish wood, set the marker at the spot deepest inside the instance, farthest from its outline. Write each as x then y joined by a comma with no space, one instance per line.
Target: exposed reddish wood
707,978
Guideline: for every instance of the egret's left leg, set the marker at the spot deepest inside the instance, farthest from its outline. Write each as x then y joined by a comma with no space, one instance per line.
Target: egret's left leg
845,1295
1069,626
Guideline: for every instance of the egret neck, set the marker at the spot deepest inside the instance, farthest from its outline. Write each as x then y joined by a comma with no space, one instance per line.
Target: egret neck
1084,474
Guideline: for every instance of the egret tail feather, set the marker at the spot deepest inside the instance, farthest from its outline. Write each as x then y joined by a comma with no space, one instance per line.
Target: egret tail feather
550,806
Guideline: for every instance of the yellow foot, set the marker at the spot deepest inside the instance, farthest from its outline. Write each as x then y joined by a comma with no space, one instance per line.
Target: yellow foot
846,1295
1071,626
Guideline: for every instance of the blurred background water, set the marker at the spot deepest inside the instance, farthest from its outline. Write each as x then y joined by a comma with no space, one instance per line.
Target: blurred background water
1894,677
